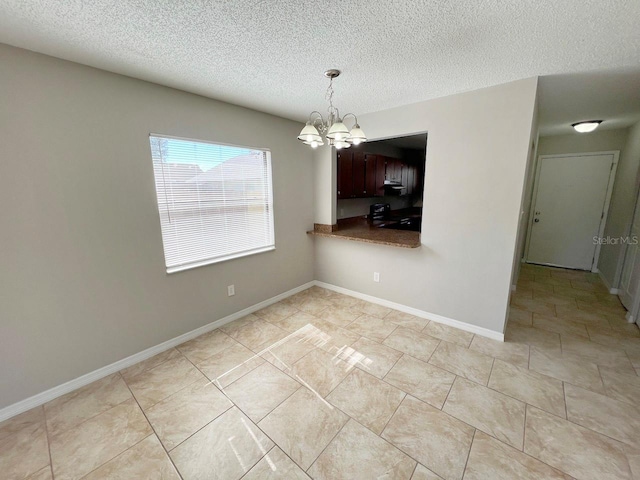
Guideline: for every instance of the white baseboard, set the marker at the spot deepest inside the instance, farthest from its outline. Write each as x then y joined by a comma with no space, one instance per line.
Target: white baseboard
612,291
55,392
630,318
414,311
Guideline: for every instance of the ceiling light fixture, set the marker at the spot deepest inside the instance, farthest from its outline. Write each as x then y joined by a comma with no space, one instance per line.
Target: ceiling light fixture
335,131
587,126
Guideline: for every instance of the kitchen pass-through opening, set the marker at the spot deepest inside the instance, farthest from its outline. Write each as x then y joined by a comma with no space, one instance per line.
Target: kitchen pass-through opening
384,181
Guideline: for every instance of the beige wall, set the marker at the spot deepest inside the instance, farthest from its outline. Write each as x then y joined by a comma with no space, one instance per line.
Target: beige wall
324,185
623,200
624,187
598,141
475,169
82,277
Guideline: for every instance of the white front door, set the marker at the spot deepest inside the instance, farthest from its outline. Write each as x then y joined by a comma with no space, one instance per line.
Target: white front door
568,208
630,279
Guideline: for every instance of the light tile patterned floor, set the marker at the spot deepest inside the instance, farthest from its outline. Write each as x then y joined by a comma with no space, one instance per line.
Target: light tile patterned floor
326,386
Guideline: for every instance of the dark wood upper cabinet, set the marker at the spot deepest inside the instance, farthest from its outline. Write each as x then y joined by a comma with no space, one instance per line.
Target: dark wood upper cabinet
404,174
345,174
411,175
389,169
418,179
362,175
359,173
370,175
394,170
381,165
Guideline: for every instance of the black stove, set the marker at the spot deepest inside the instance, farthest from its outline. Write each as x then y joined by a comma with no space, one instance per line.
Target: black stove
381,216
379,211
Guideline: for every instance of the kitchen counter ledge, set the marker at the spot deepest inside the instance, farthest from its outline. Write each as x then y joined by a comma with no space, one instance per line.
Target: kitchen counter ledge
359,229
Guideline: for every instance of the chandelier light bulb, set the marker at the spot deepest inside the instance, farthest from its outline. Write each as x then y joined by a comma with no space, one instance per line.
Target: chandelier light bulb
314,144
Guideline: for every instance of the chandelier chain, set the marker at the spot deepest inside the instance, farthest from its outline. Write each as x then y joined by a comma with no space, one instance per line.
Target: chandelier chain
329,96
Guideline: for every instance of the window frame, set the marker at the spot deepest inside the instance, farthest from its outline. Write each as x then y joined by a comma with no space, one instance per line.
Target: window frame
230,256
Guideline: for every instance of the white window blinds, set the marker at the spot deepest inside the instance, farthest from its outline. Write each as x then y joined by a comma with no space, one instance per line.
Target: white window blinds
215,201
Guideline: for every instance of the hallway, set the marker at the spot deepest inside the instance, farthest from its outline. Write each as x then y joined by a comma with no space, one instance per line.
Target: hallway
576,332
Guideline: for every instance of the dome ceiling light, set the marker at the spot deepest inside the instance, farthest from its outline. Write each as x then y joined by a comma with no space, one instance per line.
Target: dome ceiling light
587,126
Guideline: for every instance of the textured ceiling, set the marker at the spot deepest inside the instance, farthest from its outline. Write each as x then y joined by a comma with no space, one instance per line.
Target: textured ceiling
612,96
270,55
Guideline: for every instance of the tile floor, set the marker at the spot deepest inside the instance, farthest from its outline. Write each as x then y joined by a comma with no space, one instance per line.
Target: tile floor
326,386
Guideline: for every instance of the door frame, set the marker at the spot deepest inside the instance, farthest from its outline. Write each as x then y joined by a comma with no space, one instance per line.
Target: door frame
619,267
632,313
605,208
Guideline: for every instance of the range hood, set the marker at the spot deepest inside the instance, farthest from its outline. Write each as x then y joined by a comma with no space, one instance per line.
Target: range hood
393,185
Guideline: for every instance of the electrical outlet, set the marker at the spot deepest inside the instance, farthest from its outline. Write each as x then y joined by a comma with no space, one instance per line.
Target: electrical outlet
376,276
231,290
341,211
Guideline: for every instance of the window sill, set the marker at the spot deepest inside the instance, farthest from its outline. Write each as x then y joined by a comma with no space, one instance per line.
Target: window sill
189,266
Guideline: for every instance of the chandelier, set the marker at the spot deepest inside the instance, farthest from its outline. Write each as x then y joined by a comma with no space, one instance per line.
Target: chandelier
335,131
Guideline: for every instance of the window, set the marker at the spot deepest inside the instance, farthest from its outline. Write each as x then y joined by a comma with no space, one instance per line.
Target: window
215,201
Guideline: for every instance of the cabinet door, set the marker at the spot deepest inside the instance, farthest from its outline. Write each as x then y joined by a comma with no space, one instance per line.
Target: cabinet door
382,160
381,166
394,170
390,171
370,175
345,174
418,182
404,173
411,173
359,172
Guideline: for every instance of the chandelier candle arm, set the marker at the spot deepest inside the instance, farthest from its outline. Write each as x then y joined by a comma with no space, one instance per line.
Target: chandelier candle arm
337,134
